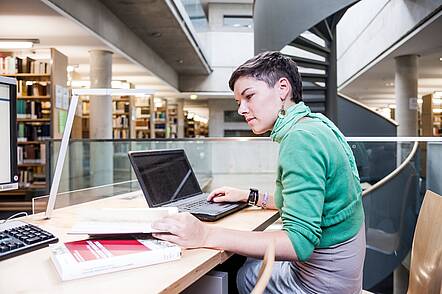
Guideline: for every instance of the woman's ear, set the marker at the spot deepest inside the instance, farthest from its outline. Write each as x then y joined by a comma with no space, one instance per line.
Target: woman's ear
284,89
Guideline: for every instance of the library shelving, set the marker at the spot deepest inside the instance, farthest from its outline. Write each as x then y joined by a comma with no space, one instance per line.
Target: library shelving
41,90
121,114
160,123
172,119
194,127
121,117
431,115
143,117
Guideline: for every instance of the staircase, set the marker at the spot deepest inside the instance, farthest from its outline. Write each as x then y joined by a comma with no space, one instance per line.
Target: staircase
309,39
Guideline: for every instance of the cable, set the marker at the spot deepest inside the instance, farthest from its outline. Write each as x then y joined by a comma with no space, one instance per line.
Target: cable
23,213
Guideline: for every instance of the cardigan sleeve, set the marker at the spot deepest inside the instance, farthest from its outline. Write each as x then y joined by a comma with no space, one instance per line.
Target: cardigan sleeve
303,168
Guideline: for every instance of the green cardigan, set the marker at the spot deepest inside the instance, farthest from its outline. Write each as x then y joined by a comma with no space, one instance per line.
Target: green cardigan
318,193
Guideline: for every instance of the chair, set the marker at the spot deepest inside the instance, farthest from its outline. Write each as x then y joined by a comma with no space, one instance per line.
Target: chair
265,271
426,252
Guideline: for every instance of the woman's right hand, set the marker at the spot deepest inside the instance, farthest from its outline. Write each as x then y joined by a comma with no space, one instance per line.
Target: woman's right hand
228,194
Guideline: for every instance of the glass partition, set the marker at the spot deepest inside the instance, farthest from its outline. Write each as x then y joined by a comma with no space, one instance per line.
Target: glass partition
392,174
96,169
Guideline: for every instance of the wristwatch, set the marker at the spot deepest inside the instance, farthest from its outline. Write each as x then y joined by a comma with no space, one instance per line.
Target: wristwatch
253,197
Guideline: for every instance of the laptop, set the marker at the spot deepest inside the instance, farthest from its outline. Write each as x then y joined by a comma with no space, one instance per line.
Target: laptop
167,179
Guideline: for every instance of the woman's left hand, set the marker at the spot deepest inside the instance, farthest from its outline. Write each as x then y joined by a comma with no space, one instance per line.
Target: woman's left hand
183,229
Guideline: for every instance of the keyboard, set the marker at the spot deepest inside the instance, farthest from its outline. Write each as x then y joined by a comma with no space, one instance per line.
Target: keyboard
17,237
197,204
200,203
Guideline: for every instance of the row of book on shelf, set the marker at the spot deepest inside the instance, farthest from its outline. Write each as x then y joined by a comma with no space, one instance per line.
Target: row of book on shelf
33,109
120,122
29,154
31,132
32,88
29,178
17,65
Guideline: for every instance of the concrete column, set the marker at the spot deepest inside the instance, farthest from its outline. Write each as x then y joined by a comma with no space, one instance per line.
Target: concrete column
405,88
180,118
100,118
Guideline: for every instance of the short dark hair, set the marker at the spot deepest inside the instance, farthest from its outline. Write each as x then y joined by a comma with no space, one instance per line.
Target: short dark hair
269,67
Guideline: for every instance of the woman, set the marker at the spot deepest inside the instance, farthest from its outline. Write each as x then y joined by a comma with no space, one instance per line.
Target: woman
321,247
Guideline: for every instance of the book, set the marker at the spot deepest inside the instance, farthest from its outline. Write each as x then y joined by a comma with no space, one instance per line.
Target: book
90,257
112,221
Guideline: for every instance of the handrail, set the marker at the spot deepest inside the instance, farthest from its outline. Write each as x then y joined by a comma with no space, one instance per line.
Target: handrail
393,173
352,100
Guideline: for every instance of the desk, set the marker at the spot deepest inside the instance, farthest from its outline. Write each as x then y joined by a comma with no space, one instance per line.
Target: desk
34,272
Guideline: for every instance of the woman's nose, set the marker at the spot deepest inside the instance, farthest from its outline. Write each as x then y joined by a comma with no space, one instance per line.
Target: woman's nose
242,109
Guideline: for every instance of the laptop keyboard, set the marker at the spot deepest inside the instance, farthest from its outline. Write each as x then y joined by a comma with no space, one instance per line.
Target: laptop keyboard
200,203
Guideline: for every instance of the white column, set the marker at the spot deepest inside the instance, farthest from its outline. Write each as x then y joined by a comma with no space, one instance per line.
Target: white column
180,118
405,88
100,118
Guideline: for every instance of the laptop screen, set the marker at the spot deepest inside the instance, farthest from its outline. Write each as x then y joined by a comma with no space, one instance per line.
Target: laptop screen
165,175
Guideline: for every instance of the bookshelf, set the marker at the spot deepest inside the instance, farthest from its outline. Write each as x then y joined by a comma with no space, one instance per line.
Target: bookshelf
138,118
41,95
143,117
121,117
121,113
431,115
160,123
172,120
194,127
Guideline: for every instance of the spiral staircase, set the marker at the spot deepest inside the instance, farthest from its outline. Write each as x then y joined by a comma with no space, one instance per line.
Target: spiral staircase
305,30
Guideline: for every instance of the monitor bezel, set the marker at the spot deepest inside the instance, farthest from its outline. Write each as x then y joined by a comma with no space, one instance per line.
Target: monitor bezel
13,182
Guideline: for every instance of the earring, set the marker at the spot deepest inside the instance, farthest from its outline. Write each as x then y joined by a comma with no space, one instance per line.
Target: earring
281,112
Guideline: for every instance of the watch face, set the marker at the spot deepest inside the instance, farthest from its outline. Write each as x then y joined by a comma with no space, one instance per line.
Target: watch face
253,197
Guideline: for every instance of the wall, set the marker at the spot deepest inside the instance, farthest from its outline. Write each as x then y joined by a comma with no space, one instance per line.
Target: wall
370,27
216,117
225,47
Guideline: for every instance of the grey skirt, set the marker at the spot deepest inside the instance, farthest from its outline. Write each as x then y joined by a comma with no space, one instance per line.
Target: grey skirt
337,269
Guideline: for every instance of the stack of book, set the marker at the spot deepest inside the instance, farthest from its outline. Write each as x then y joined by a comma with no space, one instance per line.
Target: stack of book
90,257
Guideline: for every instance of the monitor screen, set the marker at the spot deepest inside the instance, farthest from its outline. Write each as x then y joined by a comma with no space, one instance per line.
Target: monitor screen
5,134
165,175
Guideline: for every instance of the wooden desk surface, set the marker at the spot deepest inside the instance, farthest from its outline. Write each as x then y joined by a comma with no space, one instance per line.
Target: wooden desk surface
34,272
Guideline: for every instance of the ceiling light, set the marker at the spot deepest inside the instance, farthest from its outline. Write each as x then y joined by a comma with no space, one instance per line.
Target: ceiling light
18,43
389,84
440,59
180,61
193,96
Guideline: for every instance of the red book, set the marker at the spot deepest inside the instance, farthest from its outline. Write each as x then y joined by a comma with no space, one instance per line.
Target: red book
91,257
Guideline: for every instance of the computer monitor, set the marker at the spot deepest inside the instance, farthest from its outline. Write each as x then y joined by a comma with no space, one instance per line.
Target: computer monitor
8,134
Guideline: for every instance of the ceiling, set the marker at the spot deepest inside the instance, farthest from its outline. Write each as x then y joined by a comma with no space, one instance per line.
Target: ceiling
375,86
34,19
154,23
